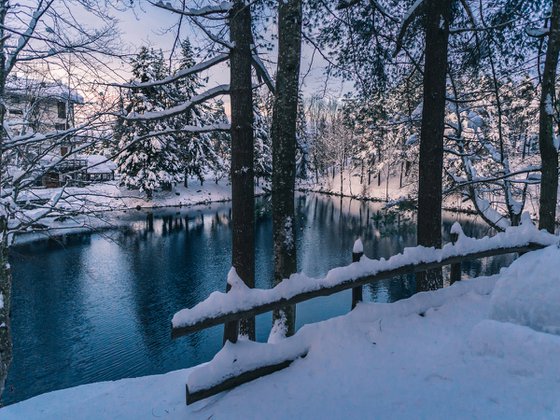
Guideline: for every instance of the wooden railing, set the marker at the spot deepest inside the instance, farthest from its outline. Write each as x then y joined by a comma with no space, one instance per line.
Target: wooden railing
454,259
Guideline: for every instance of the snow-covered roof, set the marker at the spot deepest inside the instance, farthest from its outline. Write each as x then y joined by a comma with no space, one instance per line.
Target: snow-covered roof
98,164
23,86
94,164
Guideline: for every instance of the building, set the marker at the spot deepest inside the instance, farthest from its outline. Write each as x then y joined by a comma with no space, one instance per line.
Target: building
39,106
48,107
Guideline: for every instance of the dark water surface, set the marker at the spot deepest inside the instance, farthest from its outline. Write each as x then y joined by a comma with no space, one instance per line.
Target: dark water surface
97,306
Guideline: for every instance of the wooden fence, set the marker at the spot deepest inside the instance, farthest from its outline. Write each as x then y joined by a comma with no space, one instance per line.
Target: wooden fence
356,284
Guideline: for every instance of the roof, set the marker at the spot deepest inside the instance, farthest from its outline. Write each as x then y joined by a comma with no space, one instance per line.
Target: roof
24,86
98,164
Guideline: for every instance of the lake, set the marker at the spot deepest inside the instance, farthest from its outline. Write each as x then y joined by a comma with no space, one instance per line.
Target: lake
95,307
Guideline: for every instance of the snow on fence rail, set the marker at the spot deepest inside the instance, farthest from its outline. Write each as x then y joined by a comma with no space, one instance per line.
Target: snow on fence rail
242,302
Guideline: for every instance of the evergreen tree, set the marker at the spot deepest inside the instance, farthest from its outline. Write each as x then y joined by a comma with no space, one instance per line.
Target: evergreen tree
196,150
147,161
302,137
262,109
220,141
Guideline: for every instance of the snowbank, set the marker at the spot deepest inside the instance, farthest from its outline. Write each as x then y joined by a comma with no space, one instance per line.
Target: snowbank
103,204
528,292
435,355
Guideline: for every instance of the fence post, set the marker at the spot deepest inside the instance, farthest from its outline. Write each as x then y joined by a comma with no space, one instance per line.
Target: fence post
231,331
231,328
455,274
357,253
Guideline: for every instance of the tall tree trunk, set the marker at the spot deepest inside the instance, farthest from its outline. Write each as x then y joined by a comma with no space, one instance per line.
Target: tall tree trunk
5,271
242,171
284,124
549,152
430,169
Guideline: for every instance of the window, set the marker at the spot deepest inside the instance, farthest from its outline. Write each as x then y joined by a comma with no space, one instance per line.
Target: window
61,109
16,112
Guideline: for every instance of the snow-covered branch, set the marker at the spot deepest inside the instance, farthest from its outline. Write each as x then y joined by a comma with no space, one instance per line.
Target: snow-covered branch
179,109
222,8
262,72
416,10
179,75
26,36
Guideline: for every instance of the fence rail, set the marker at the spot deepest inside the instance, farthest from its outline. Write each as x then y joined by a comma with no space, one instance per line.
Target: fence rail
222,318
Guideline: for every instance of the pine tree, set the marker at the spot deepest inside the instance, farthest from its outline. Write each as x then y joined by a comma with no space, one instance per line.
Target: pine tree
220,141
302,152
262,109
196,151
147,162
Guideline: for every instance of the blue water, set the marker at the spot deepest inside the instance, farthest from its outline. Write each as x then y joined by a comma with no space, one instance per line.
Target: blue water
97,306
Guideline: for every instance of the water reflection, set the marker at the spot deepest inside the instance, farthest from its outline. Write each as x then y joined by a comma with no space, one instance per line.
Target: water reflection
94,307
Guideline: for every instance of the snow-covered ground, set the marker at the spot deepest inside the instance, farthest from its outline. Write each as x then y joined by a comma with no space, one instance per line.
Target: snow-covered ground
394,190
103,204
472,350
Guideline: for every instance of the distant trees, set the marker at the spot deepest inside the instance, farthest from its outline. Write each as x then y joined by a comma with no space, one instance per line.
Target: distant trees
486,114
262,108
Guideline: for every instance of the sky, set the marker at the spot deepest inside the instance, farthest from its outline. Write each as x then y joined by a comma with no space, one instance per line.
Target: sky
149,25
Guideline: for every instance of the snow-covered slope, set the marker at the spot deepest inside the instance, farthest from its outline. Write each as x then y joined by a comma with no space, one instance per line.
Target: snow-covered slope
435,355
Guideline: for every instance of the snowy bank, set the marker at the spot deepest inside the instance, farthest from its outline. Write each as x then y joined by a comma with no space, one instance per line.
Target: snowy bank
103,204
435,355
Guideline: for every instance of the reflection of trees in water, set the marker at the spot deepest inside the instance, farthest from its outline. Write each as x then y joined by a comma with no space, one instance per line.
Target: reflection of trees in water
338,221
172,266
48,313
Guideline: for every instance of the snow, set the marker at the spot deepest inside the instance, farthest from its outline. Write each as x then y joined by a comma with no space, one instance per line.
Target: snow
434,355
45,89
179,109
244,356
530,294
549,108
358,247
219,303
97,164
111,201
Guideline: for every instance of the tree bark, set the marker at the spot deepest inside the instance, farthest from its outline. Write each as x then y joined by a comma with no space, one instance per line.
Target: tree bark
242,171
549,152
284,125
437,20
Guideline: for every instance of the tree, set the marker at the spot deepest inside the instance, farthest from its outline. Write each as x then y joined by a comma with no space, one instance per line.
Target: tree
302,152
284,143
33,32
262,104
437,22
242,144
547,144
195,149
154,162
220,140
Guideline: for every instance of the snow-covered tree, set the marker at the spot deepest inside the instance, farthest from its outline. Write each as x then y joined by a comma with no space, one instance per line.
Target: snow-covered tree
196,149
150,157
302,151
262,109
